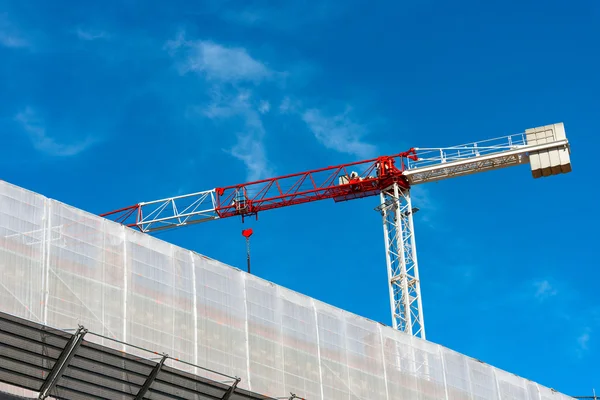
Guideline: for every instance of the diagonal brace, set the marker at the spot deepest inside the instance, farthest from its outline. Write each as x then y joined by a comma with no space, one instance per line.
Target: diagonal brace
144,389
231,390
63,362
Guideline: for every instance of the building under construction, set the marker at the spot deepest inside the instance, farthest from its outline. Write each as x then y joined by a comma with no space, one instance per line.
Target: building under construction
92,309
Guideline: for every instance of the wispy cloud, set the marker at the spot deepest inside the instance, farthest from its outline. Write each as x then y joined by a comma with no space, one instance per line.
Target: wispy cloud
544,290
249,148
251,151
235,78
232,74
217,62
290,106
570,308
339,132
90,34
285,105
583,342
264,107
34,126
584,339
282,17
422,198
10,35
11,40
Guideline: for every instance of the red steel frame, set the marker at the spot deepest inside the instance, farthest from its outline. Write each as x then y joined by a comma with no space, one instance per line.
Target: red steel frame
250,198
122,215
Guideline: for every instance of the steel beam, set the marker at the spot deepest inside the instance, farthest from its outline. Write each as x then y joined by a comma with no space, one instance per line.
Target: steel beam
231,390
150,379
62,363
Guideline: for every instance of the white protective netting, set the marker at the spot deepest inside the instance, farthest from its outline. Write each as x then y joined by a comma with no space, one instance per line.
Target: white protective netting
62,267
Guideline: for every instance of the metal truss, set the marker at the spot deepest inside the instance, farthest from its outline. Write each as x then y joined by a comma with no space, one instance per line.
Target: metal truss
435,164
168,213
340,183
177,211
401,257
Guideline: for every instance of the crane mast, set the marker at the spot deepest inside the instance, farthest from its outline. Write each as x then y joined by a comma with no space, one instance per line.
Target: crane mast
546,149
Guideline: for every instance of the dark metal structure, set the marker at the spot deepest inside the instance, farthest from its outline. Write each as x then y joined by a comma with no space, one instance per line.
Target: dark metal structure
62,365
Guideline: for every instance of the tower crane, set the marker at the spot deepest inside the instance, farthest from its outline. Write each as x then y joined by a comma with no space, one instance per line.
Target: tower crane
546,149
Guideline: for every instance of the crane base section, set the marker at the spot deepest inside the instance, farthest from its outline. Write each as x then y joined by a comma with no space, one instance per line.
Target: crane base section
551,161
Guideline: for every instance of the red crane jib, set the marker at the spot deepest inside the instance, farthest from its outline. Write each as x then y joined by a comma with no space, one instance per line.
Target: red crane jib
337,183
125,215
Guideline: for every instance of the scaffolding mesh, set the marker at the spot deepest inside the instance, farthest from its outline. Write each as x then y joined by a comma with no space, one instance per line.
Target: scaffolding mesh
61,266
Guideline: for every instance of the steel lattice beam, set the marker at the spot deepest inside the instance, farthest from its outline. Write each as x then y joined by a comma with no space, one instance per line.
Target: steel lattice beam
401,257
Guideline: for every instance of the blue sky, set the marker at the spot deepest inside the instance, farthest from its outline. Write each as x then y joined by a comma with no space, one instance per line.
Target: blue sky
106,104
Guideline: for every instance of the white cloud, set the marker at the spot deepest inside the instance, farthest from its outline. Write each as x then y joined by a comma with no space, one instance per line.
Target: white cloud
339,133
290,106
251,151
584,339
87,34
36,130
8,40
583,342
264,107
9,35
249,147
421,198
285,105
234,76
544,290
286,16
217,62
230,70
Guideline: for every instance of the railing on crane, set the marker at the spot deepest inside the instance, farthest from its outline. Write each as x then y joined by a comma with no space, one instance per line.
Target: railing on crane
546,149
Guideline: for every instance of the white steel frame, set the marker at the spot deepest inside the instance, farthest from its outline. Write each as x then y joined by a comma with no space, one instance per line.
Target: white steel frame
172,212
401,257
442,163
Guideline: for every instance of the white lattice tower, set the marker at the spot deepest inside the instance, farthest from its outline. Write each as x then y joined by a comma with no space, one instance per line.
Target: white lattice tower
401,257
